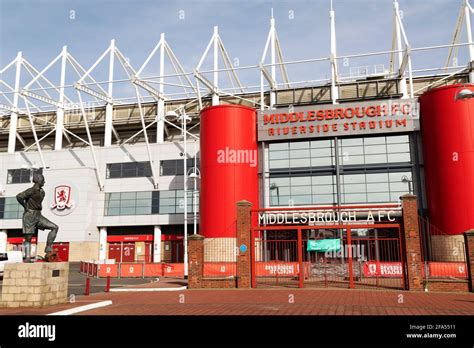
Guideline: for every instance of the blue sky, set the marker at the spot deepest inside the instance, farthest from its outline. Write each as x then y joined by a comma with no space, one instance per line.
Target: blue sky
40,28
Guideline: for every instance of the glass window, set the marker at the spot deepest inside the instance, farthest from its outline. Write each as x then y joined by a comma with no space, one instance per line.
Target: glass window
148,202
11,209
369,167
278,146
128,170
176,167
22,175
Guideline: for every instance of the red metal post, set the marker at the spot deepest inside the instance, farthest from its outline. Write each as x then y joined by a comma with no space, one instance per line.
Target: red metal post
402,259
300,258
107,286
349,255
88,286
253,270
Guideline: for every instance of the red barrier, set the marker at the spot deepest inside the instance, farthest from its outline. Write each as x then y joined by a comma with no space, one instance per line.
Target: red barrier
448,269
276,268
131,270
219,269
173,269
383,269
108,270
153,270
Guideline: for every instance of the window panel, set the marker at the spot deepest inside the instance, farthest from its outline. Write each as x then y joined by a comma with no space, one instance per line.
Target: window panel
279,164
300,153
128,170
323,199
398,157
378,197
278,146
351,159
322,143
128,195
127,211
397,139
299,181
143,210
321,161
276,155
354,198
301,199
323,189
371,159
299,162
377,187
353,188
374,140
299,145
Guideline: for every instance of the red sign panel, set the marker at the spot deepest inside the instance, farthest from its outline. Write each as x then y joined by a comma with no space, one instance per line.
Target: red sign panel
383,269
19,240
131,238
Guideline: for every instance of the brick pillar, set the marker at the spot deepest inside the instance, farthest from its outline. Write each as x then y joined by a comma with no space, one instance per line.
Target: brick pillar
244,260
412,242
469,243
195,260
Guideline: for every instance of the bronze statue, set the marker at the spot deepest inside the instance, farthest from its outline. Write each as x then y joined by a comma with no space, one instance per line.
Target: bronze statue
31,200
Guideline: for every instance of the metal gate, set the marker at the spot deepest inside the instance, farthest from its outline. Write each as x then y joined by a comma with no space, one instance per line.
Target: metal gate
364,256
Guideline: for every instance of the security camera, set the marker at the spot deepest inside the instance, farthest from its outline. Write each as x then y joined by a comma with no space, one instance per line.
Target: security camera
181,154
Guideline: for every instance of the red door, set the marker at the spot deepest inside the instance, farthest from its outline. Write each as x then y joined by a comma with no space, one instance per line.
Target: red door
115,251
148,251
177,251
62,249
128,252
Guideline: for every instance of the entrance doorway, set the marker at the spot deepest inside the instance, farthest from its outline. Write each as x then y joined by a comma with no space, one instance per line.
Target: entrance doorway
363,256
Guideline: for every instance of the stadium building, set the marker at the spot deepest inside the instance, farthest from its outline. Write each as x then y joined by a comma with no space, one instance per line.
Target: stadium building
116,167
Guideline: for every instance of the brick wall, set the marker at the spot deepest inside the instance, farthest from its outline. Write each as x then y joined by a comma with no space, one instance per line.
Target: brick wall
244,260
34,284
197,245
195,260
447,285
411,241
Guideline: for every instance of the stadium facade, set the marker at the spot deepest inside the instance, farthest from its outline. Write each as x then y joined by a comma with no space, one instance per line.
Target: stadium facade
115,167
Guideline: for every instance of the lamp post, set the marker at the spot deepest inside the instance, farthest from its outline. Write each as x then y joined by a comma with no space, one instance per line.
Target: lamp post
195,175
406,180
463,94
184,119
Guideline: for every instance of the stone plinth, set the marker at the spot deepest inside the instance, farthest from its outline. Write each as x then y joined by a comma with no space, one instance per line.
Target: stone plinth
35,284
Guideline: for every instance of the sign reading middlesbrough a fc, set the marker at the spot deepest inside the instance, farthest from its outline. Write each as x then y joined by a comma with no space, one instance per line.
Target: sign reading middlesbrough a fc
313,121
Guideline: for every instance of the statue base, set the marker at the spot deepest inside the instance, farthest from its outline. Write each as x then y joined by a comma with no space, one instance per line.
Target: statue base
36,284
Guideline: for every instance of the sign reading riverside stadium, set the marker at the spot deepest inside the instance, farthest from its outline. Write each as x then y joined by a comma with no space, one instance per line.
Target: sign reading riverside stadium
313,121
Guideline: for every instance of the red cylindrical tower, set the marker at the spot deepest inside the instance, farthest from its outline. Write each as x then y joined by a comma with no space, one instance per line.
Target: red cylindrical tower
447,126
229,166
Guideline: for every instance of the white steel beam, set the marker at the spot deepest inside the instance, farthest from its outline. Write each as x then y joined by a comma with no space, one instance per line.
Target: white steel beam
467,15
403,82
58,141
91,144
334,87
14,115
215,95
160,107
150,157
33,130
109,112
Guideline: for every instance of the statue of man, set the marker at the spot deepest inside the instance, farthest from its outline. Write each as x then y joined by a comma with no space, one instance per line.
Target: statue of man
31,200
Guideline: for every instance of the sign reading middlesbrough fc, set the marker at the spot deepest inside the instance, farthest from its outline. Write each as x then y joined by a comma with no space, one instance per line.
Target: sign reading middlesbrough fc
312,121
